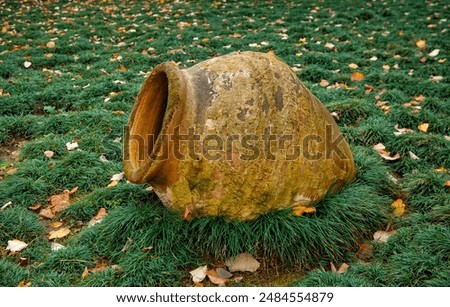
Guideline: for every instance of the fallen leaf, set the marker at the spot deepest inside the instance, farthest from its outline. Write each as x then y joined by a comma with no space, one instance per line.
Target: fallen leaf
368,89
447,183
199,273
27,64
244,262
103,159
383,236
440,170
373,59
353,66
56,246
400,131
188,212
146,249
343,268
117,177
215,279
198,284
50,45
423,127
413,156
122,68
60,233
48,153
421,43
357,76
16,245
436,78
381,150
23,284
324,83
47,213
73,190
85,273
98,218
113,184
386,67
56,224
127,245
365,252
329,45
222,273
299,210
4,29
71,146
60,201
434,53
6,205
35,207
399,207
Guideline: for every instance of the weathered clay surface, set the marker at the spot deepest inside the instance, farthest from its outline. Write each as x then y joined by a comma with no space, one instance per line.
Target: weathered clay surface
248,100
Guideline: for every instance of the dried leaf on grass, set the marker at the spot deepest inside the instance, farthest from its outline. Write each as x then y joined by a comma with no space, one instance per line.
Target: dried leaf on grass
342,269
24,284
423,127
300,210
199,273
98,218
357,76
6,205
383,236
399,207
215,279
381,150
16,245
60,233
244,262
365,251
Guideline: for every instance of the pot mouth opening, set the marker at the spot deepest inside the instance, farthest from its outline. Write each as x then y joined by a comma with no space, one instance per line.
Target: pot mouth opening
147,121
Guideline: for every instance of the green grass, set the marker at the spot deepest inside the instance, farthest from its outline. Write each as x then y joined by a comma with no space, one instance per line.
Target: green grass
72,95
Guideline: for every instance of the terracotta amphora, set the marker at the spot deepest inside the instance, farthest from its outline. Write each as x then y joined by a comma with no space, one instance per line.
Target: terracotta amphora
237,136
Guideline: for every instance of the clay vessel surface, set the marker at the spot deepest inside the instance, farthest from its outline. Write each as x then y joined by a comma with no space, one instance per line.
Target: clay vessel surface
237,135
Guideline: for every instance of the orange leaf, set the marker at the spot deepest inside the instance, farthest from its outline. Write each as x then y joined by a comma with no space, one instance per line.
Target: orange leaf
399,207
447,183
299,210
122,68
98,218
35,207
423,127
421,43
4,29
357,76
60,201
56,224
23,284
113,184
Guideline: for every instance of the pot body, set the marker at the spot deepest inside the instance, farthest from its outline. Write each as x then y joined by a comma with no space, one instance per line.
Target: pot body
237,135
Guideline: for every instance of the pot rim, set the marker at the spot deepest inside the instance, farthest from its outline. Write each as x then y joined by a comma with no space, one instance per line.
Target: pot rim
144,171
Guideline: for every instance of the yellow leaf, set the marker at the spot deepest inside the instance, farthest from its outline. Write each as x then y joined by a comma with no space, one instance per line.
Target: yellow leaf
353,65
421,43
423,127
299,210
4,29
113,184
85,273
122,68
60,233
56,224
440,170
118,112
399,207
357,76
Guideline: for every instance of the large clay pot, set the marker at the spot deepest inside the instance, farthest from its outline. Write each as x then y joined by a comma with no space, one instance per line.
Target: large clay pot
237,135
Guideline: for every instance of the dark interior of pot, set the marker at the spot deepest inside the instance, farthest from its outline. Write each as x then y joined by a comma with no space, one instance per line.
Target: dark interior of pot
148,119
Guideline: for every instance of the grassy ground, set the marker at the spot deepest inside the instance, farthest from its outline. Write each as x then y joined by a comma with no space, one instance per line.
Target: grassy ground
82,89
